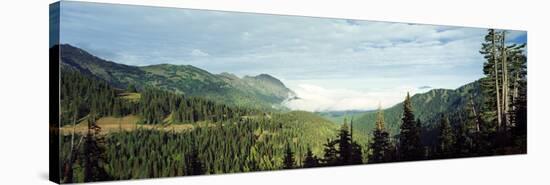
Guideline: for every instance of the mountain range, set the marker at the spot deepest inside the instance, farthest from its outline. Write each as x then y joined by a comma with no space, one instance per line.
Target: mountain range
262,91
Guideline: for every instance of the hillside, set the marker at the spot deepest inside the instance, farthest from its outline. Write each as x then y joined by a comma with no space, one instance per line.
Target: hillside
262,91
427,107
129,117
305,129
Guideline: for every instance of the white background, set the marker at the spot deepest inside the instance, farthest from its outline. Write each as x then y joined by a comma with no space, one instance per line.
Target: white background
24,91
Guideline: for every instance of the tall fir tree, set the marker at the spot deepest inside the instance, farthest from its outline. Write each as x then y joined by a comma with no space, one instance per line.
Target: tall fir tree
356,153
505,71
310,160
464,145
518,112
356,149
194,165
499,81
445,139
93,156
410,146
288,160
380,144
490,84
330,157
344,145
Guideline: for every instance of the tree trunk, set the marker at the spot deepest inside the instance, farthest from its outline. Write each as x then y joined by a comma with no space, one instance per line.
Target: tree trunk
495,66
475,114
68,167
516,84
72,135
505,87
515,92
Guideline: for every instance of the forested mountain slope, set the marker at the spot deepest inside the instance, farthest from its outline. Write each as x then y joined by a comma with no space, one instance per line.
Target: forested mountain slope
262,91
428,107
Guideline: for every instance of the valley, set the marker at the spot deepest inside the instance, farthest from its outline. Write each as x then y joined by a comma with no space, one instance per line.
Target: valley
166,120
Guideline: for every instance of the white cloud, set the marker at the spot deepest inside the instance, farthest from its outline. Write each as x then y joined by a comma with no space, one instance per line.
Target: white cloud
348,64
198,53
317,98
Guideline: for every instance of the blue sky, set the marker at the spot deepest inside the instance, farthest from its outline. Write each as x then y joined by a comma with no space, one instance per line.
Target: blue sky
332,64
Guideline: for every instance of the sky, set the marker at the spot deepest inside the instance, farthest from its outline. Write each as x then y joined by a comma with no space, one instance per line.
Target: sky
331,64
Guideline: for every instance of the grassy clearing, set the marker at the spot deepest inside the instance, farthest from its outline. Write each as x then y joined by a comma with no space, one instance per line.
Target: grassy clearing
127,123
133,97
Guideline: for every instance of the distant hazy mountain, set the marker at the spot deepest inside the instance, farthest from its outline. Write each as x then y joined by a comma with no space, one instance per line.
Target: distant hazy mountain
339,116
262,91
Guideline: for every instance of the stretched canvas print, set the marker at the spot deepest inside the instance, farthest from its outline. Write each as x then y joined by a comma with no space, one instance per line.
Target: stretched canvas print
149,92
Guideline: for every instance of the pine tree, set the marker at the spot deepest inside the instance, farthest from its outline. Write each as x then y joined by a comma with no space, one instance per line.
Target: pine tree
194,165
68,166
310,160
445,138
410,147
518,112
93,153
380,144
505,81
330,157
505,70
356,149
490,84
498,87
520,118
289,158
464,145
356,153
344,145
